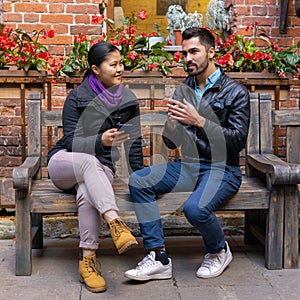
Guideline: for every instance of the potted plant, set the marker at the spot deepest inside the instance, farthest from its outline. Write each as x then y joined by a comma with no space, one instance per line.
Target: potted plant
217,17
156,39
179,20
239,53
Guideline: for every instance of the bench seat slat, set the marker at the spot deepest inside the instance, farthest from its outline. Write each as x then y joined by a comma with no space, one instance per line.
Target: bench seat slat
46,198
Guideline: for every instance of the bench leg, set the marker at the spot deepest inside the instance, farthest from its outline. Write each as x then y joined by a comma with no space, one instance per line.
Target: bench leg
291,220
37,231
23,234
274,230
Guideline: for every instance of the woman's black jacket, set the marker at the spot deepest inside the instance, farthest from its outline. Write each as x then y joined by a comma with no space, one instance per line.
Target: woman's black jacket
86,118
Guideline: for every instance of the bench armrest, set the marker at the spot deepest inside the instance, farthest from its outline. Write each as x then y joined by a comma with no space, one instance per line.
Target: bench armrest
279,171
23,174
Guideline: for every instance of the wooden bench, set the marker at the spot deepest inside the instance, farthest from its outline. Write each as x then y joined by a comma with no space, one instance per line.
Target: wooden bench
268,187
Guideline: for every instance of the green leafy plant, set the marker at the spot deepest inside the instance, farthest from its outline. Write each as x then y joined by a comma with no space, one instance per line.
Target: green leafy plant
24,50
239,53
137,51
76,60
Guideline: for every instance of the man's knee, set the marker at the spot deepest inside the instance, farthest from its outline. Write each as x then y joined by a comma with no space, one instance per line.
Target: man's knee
137,178
194,212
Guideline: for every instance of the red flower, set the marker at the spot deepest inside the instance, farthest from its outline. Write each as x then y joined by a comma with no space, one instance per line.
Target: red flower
51,33
132,55
143,14
97,19
154,33
177,56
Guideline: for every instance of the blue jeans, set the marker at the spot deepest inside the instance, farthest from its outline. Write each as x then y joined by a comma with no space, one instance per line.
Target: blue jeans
210,187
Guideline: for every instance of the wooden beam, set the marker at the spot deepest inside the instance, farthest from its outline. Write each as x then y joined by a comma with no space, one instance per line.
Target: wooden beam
297,8
283,16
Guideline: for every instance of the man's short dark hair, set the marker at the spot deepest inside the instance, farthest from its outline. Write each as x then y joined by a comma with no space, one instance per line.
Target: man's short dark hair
205,37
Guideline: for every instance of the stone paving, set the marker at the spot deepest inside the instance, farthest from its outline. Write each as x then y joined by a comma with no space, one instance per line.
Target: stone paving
55,274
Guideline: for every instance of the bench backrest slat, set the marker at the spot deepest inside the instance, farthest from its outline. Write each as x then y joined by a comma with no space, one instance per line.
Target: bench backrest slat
290,119
265,121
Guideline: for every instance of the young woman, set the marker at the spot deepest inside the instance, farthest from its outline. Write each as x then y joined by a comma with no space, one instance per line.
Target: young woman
84,158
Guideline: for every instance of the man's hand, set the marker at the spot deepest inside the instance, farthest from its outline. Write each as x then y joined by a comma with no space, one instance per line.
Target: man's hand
113,137
185,113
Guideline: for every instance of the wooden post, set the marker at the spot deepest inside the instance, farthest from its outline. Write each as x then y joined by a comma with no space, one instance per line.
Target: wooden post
283,16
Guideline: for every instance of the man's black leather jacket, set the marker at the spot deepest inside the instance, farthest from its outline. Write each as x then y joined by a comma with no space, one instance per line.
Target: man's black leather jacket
226,107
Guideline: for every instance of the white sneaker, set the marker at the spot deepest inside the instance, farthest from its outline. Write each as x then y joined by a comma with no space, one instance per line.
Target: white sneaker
213,265
149,268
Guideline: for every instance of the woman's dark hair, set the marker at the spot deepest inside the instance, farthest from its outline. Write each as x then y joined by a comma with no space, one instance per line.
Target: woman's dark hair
205,37
98,53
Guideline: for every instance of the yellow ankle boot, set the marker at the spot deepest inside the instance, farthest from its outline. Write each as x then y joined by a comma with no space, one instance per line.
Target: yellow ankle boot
121,236
89,274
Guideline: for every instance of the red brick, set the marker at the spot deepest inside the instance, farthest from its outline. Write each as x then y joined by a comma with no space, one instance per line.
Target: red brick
239,2
57,1
244,10
31,27
56,50
61,28
57,18
30,7
260,2
82,9
31,18
56,8
90,30
7,7
259,11
291,104
83,19
10,161
12,18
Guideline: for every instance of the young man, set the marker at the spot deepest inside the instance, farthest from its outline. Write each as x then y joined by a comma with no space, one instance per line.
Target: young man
209,119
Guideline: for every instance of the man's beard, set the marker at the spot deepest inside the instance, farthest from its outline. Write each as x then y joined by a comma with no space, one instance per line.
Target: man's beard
199,70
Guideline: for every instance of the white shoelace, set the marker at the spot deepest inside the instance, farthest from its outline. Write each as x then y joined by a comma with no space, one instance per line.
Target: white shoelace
148,261
211,260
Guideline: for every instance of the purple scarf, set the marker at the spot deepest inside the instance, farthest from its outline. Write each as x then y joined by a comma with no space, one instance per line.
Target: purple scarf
110,100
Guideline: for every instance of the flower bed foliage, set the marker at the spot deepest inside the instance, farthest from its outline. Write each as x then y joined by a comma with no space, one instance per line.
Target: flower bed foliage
135,48
24,50
257,52
239,53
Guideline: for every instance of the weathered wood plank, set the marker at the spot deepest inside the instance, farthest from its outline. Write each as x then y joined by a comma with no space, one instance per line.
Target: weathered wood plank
266,136
293,144
286,117
253,134
46,198
291,227
274,230
148,118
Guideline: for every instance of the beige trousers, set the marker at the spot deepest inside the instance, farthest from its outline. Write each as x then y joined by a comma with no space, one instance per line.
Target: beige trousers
94,196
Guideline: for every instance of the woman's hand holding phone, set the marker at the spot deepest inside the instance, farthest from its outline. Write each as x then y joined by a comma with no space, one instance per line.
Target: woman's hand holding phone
116,136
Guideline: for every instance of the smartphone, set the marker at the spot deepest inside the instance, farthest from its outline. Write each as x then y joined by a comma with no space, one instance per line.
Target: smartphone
125,127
